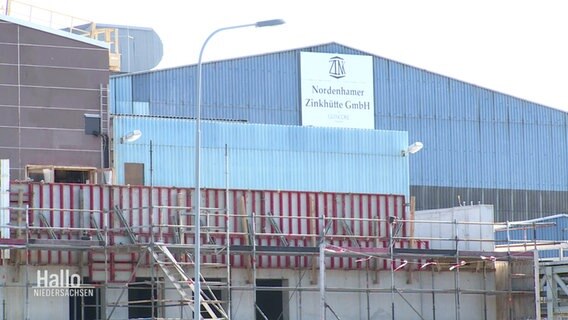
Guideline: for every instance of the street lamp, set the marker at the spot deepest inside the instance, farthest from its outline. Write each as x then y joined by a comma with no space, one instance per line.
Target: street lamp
133,136
413,148
197,211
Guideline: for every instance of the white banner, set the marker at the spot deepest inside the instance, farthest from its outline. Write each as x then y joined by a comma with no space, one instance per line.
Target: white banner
337,90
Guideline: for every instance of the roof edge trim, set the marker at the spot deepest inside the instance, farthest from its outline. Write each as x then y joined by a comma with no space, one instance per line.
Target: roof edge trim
61,33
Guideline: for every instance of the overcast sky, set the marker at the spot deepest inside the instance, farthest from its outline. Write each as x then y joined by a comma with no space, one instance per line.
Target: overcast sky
512,46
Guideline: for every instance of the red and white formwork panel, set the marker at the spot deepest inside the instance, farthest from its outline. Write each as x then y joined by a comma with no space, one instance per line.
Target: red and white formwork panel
353,221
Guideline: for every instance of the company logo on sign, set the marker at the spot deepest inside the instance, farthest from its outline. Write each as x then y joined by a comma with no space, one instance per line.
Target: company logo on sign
337,67
337,90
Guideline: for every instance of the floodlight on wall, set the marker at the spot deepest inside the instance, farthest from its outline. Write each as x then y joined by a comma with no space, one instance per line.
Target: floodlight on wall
413,148
131,136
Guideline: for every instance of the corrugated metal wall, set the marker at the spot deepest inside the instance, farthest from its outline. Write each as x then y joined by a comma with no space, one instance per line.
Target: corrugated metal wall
473,137
495,148
266,157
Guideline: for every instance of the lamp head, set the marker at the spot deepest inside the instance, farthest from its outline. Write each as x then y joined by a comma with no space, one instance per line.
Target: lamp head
269,23
131,136
413,148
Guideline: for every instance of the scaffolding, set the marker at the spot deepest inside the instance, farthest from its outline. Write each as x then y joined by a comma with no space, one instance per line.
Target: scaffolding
114,246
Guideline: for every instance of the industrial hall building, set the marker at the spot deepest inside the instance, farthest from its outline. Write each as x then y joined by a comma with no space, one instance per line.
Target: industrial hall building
334,184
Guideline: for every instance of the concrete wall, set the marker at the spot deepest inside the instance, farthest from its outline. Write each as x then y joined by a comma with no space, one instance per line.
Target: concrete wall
472,225
13,294
301,304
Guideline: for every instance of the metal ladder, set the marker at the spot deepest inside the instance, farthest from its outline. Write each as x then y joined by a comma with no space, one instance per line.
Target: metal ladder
184,284
104,112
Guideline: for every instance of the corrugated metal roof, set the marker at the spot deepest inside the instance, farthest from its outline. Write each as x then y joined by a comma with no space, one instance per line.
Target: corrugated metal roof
270,157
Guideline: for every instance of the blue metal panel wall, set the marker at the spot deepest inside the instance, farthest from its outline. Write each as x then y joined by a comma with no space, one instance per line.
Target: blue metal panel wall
473,137
269,157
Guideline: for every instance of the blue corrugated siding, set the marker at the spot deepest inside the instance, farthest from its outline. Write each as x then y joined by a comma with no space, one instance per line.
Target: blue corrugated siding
473,137
269,157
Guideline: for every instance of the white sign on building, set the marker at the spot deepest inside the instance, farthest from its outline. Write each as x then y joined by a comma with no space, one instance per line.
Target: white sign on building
337,90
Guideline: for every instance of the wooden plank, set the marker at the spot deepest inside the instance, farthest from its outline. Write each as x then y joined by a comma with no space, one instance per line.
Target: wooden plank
375,267
412,243
313,222
244,222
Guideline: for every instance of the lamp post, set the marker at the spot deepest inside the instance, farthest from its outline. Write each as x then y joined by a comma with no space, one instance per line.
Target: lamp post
197,201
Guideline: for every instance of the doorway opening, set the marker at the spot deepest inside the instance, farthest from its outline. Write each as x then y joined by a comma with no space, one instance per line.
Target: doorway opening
271,302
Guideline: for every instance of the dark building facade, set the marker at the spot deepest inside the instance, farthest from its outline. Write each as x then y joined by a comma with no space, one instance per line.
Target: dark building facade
49,81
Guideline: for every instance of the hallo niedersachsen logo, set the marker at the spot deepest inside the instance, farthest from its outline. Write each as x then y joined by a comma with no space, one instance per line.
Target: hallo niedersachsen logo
336,67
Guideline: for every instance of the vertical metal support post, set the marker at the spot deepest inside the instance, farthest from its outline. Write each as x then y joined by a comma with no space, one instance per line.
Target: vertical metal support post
153,282
433,296
391,248
537,285
322,267
508,237
510,284
228,228
551,290
27,303
105,226
457,274
299,312
485,290
253,224
152,239
151,164
368,292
